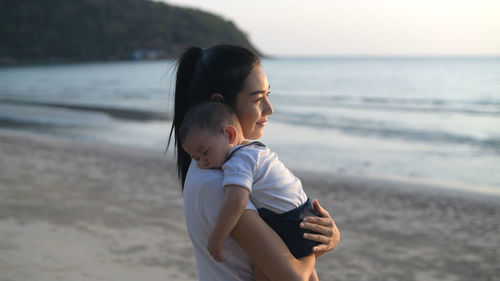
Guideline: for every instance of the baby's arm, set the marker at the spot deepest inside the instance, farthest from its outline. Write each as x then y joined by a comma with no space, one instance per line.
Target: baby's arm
235,200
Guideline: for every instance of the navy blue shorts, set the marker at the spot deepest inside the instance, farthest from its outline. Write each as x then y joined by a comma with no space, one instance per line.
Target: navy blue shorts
287,227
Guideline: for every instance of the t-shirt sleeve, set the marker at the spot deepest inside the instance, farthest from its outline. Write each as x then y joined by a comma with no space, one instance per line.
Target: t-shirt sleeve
240,169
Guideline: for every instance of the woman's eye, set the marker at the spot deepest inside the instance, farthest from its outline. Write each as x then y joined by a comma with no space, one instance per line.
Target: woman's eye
205,153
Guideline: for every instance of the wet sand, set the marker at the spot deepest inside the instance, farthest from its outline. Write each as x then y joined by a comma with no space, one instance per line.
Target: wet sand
72,210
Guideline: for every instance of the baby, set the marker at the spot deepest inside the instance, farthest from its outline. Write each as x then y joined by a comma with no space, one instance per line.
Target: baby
212,136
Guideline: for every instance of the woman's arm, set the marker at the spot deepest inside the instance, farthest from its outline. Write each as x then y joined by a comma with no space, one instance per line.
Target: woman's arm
329,235
235,200
268,252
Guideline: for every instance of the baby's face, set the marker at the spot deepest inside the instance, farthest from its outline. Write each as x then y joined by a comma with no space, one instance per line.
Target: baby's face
209,150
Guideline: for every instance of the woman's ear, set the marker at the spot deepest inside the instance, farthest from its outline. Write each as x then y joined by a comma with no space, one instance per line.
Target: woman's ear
217,97
230,133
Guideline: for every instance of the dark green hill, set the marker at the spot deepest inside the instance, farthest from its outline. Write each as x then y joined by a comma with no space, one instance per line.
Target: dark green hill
106,29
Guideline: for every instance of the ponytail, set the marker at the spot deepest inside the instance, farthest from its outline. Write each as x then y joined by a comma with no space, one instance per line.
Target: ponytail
201,73
185,71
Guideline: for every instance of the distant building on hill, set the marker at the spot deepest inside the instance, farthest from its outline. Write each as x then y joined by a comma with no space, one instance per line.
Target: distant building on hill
149,54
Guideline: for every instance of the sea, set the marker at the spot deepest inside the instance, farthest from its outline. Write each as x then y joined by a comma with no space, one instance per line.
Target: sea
432,120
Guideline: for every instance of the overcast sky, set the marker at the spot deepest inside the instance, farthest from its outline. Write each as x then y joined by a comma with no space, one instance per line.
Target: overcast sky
369,27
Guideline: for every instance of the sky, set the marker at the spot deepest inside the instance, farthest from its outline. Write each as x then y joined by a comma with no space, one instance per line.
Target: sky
363,27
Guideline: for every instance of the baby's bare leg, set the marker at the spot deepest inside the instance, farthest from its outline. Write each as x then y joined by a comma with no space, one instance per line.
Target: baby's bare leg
314,276
260,276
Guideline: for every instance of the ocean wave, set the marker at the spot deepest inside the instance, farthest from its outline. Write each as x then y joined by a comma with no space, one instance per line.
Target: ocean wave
120,113
23,124
381,129
421,105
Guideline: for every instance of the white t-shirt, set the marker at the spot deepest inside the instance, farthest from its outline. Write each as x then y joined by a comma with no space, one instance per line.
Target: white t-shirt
203,197
270,183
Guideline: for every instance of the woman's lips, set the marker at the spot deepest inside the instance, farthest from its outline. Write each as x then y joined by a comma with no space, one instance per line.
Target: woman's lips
262,123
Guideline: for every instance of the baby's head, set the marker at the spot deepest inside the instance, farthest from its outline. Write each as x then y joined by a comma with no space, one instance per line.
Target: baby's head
208,132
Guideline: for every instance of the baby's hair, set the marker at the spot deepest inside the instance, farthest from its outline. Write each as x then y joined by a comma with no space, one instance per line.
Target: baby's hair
211,115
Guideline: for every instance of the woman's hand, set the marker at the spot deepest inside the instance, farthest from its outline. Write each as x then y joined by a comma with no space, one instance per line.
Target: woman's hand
329,234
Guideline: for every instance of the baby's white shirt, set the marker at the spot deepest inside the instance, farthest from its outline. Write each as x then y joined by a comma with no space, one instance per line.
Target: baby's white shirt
270,183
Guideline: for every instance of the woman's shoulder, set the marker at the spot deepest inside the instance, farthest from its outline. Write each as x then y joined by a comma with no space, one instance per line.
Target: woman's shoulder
197,177
205,187
203,191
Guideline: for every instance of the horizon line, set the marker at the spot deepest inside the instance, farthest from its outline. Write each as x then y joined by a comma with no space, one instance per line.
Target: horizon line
311,56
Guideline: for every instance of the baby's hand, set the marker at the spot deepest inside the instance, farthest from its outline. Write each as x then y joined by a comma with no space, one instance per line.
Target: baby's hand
215,250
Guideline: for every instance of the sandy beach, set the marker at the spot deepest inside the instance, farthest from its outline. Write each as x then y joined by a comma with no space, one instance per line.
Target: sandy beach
72,210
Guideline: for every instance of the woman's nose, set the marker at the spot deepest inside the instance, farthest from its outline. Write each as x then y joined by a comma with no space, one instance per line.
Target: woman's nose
268,108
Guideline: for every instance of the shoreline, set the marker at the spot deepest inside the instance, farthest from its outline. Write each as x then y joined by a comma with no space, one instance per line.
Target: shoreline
79,210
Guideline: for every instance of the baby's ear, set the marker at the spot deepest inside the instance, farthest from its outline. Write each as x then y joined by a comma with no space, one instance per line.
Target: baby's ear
230,133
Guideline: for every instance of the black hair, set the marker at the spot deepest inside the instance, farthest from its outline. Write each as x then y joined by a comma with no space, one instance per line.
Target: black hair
201,73
212,115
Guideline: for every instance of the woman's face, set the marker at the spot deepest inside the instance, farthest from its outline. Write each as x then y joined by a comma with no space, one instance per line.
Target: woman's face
252,104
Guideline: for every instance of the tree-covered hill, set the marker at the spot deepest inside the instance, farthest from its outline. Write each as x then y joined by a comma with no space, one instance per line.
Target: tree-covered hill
106,29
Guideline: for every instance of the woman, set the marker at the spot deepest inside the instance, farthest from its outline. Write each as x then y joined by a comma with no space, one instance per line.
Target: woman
234,75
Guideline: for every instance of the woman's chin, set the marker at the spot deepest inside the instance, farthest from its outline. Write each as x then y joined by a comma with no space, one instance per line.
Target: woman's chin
254,135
